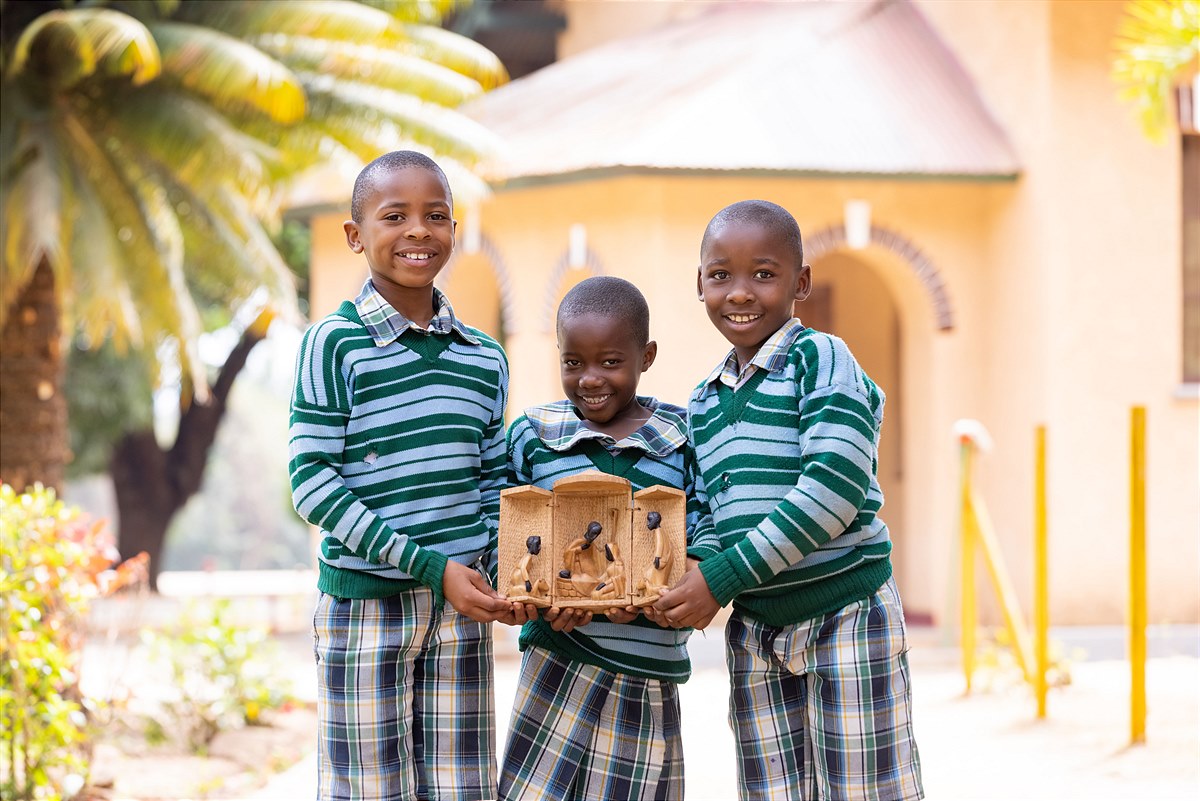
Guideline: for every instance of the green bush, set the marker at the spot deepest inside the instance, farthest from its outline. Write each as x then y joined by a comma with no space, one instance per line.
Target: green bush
223,674
53,562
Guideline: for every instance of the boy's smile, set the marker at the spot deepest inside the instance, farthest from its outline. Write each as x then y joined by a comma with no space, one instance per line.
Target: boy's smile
600,365
749,282
407,236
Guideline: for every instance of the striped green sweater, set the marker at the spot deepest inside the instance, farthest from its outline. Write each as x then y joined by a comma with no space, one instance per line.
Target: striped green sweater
550,442
787,466
397,452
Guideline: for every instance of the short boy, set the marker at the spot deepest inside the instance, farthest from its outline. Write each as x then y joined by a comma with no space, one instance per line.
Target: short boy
397,455
597,708
785,432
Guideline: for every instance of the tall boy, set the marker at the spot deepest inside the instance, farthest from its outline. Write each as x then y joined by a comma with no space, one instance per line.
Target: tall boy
785,431
397,454
597,708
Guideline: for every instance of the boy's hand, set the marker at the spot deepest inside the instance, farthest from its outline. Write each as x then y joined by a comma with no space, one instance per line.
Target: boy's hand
621,615
518,614
565,620
470,594
689,603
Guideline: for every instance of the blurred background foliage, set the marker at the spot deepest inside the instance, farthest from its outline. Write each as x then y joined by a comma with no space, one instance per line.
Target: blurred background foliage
145,151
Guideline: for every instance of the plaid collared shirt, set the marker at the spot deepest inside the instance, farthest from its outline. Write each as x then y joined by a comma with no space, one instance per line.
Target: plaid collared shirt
771,356
560,428
385,324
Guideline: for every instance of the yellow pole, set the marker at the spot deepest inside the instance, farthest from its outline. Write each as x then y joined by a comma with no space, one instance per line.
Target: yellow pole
967,542
985,540
1137,575
1041,589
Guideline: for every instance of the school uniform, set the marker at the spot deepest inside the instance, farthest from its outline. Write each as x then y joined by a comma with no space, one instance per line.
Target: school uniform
786,452
397,455
597,709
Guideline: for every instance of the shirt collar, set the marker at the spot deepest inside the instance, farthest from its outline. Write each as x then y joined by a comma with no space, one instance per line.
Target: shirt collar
385,324
771,356
561,428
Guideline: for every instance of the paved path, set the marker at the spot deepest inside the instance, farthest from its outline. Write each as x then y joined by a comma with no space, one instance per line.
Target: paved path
985,746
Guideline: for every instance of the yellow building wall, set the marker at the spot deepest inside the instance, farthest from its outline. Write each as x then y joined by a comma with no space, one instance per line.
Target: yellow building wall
1064,285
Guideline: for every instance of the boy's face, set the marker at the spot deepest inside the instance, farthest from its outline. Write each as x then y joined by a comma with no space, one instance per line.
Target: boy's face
406,232
749,281
601,362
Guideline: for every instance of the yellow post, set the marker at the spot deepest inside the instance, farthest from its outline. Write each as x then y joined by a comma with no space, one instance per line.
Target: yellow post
967,543
1137,575
1014,621
1041,589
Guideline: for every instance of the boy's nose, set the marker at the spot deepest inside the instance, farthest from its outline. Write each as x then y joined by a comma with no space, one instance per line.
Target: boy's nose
417,230
589,380
739,293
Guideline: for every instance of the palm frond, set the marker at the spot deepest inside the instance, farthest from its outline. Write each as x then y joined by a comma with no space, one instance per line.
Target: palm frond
150,241
456,52
197,144
231,75
442,130
355,142
32,219
427,12
62,47
1158,42
390,68
351,22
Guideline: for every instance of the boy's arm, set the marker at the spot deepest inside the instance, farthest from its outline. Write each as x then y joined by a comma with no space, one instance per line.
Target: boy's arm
702,539
493,473
837,462
319,415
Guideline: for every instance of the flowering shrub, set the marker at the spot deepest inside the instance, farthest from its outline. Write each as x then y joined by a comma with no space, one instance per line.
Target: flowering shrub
224,675
53,562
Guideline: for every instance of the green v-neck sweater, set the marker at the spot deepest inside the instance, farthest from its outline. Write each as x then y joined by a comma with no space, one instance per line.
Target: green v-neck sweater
397,453
787,471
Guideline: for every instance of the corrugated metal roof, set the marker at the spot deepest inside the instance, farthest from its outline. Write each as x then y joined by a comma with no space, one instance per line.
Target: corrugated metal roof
794,87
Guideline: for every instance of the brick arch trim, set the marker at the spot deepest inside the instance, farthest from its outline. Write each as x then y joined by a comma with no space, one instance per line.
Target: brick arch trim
508,294
833,238
591,264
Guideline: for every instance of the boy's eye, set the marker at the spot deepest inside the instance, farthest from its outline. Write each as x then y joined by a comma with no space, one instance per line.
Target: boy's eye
611,362
718,275
393,217
571,362
437,215
763,274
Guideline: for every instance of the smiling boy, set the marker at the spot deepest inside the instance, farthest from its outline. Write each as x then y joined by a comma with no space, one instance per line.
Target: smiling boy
786,432
597,707
397,455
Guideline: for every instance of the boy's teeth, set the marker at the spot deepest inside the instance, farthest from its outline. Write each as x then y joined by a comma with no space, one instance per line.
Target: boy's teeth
742,318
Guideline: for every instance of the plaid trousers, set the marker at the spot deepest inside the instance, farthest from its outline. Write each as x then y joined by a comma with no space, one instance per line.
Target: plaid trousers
581,732
823,709
405,706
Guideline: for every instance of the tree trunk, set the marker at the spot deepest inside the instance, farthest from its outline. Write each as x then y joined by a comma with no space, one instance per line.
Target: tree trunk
153,484
33,409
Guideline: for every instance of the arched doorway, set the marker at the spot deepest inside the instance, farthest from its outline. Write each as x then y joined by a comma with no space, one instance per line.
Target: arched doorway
850,301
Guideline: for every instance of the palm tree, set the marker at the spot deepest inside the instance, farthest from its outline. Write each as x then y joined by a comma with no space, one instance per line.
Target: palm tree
144,147
1157,48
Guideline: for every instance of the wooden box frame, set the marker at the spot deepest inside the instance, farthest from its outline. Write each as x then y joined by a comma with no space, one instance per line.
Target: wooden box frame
616,568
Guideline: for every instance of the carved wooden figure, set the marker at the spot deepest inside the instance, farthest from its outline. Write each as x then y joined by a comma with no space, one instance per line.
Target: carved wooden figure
599,546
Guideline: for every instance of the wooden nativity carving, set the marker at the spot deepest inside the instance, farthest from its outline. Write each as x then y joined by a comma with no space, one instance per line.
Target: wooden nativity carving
592,543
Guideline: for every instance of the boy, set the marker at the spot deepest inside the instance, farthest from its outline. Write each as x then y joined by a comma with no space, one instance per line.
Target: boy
785,432
597,708
397,454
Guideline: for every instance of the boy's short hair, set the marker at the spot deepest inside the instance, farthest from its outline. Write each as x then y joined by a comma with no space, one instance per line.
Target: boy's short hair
611,297
388,163
771,216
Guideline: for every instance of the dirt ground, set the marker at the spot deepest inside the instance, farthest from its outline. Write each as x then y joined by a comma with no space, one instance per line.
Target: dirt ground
986,745
238,762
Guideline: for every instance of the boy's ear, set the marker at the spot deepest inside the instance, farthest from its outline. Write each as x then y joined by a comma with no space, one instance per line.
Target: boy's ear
649,355
699,283
803,282
351,229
